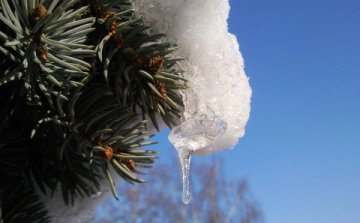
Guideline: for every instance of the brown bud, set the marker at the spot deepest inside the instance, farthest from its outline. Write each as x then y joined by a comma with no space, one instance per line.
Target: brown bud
41,52
161,87
107,154
38,12
113,29
156,63
130,164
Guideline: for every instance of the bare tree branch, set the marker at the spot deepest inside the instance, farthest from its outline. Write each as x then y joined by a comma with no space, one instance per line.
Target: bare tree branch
214,199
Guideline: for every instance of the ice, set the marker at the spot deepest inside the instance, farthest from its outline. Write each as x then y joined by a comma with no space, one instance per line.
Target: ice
193,134
185,157
214,67
197,132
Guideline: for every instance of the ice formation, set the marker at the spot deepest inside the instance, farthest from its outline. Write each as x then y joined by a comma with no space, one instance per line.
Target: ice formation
218,106
215,68
193,134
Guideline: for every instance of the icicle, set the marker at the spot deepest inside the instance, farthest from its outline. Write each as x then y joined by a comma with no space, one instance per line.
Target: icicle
193,134
185,157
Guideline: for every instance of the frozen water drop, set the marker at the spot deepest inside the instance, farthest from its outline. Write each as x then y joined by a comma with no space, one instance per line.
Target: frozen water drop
185,157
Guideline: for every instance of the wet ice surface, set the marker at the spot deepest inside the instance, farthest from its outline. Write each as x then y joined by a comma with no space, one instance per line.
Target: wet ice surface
185,157
193,134
197,132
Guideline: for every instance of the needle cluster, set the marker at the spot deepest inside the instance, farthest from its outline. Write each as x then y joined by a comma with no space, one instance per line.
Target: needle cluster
78,81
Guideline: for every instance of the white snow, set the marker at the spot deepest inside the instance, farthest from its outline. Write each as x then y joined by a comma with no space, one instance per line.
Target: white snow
82,211
214,67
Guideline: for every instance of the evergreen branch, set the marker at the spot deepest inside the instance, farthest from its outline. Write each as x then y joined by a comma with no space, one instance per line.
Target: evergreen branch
18,204
33,37
122,44
72,77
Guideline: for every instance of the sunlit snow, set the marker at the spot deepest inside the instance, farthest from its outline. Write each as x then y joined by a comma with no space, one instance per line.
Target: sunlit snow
214,67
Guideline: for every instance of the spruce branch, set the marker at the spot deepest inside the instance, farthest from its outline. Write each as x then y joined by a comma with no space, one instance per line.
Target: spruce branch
19,203
73,75
136,63
41,44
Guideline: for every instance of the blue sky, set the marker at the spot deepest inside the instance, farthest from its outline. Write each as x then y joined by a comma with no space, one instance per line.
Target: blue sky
301,150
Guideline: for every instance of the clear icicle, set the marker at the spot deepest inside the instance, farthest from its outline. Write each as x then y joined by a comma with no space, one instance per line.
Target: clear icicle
194,133
185,157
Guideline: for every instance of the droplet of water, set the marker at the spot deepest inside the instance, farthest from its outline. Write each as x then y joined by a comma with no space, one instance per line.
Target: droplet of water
185,157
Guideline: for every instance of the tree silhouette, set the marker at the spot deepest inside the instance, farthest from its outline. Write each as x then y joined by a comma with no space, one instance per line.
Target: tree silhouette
214,199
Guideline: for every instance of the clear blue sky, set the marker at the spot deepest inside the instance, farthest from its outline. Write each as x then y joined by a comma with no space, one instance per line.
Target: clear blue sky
301,149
